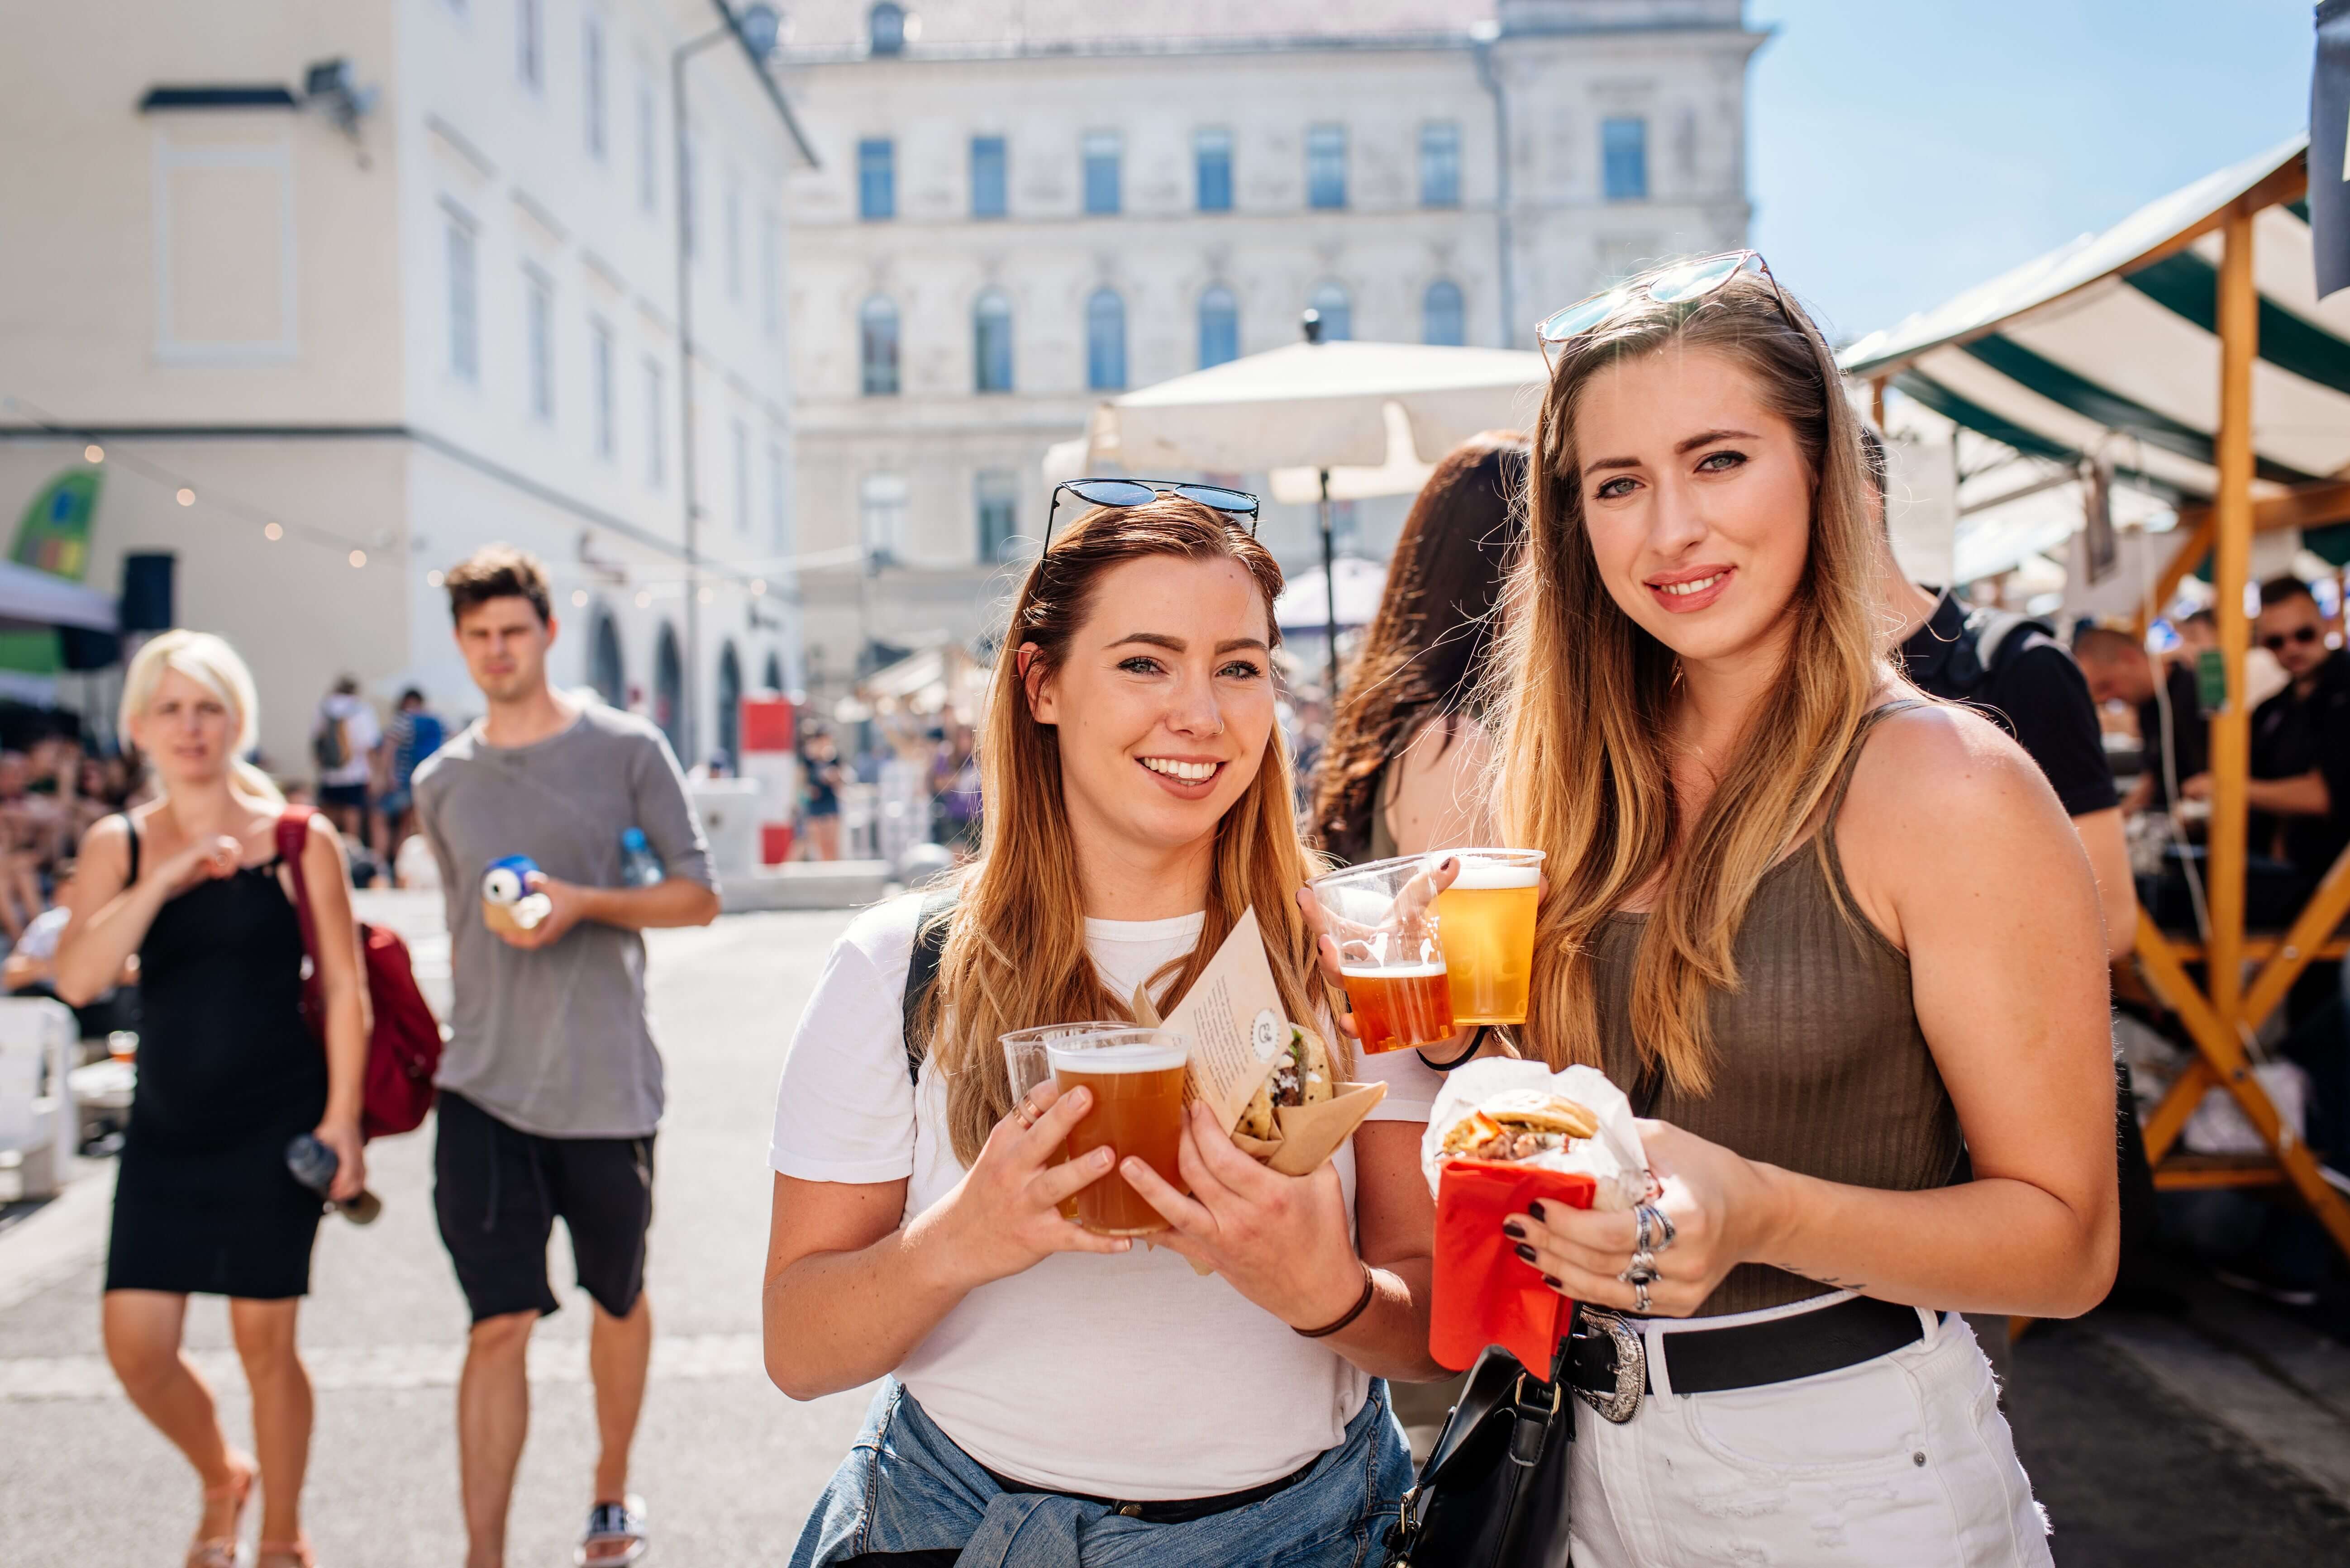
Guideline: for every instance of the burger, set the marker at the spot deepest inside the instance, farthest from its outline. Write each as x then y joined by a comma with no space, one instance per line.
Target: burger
1520,1124
1301,1076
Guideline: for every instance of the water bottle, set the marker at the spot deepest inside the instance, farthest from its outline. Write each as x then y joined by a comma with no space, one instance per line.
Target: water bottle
314,1166
640,866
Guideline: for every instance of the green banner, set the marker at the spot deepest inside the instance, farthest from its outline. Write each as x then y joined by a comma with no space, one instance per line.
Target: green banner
52,536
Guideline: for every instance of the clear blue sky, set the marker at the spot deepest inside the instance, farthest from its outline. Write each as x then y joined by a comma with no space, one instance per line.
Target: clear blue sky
1904,150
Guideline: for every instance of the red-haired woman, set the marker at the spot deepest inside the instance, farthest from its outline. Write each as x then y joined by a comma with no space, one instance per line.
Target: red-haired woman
1053,1396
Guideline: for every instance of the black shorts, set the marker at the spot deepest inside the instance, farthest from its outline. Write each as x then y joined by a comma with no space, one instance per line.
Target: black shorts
497,1191
353,795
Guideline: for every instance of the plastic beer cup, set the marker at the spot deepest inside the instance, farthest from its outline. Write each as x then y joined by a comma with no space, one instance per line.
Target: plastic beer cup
1488,916
1390,952
1136,1076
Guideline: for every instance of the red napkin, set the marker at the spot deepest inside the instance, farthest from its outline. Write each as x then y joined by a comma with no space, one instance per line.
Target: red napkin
1484,1292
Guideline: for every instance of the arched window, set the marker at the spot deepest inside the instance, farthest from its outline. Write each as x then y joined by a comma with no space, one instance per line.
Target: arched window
1441,319
730,706
886,27
991,343
1106,341
1220,327
876,347
774,677
606,673
668,687
1338,311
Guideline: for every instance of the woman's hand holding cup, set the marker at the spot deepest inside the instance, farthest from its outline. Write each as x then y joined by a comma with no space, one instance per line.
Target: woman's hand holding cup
1004,1216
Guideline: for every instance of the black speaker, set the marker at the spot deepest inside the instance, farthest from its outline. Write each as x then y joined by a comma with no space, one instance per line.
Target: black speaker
147,591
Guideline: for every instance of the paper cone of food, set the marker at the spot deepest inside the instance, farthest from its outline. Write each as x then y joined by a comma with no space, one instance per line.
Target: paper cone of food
1504,1134
1303,1112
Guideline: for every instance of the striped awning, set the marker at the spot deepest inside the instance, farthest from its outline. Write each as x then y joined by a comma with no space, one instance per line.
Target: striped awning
2108,347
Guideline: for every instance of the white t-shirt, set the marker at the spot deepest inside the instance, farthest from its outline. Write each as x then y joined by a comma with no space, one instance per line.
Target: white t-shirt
1124,1376
360,734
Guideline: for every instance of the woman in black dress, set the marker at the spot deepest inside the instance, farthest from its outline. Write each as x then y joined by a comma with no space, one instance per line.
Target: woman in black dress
229,1072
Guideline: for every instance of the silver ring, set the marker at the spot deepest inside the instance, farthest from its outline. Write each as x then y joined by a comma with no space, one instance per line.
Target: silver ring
1639,1295
1642,1268
1654,1231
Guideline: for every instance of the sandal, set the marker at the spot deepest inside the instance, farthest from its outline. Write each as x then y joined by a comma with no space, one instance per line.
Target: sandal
611,1525
296,1553
226,1550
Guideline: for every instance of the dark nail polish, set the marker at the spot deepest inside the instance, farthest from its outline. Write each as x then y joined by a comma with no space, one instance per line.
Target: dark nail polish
1552,1280
1513,1228
1526,1252
1536,1209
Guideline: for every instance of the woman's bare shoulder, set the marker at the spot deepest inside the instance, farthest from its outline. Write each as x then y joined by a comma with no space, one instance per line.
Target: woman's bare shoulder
1938,787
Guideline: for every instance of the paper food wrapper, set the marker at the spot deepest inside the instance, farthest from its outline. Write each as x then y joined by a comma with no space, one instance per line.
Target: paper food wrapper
1233,1018
1483,1292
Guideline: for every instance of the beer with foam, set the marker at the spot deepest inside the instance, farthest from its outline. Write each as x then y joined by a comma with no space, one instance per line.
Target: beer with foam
1136,1076
1488,917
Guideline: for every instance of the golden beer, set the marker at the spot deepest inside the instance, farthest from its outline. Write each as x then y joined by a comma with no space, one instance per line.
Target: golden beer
1137,1111
1488,918
1399,1005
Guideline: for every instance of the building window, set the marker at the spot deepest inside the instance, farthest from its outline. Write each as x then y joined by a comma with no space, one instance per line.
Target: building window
885,29
1337,312
530,43
996,495
591,82
600,368
656,426
1624,159
987,170
1211,163
991,342
1439,163
464,321
1442,319
877,347
1220,327
539,316
882,502
1325,166
1106,341
779,511
731,214
741,433
606,671
1102,149
771,273
648,144
668,687
876,178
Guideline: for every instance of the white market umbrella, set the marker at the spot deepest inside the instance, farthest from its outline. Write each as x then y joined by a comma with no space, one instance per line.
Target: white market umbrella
32,598
1311,604
1330,421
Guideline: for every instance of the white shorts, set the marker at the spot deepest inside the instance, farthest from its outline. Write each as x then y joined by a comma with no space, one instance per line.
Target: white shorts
1903,1459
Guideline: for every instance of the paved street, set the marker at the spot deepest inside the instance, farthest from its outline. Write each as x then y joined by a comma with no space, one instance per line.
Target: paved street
2218,1438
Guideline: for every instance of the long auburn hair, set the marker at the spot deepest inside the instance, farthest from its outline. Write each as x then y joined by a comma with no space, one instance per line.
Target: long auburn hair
1426,649
1583,766
1016,955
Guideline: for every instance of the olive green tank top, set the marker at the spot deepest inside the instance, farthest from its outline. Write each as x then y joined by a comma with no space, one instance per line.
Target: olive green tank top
1820,1066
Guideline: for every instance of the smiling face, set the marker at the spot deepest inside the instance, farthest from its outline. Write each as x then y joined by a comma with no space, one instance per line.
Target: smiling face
1163,704
1697,499
187,730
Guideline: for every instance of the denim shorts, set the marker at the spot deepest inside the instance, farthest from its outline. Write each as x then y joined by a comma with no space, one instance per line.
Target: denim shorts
905,1487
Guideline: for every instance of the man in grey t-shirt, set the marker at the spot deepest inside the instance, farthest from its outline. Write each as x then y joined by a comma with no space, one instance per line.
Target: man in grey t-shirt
550,1085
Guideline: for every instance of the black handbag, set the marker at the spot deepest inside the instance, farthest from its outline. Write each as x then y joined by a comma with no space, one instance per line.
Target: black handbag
1493,1493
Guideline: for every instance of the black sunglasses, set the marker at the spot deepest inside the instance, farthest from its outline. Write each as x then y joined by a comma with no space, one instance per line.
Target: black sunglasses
2275,644
1135,492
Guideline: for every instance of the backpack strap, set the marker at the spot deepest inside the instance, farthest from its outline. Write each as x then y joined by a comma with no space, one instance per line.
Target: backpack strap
293,836
923,973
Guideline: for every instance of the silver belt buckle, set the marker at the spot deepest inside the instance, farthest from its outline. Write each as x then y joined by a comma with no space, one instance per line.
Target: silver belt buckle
1631,1369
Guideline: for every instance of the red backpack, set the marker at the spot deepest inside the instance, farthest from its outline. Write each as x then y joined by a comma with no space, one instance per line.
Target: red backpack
404,1046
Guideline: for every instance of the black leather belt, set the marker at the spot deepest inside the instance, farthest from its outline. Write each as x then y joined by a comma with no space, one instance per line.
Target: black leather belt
1607,1359
1171,1510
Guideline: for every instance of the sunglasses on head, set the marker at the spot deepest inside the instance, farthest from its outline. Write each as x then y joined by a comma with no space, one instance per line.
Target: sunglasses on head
1676,285
2275,641
1135,492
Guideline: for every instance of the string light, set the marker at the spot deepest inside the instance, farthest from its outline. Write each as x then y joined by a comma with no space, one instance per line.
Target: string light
707,597
644,600
273,533
359,558
187,497
758,585
94,452
434,580
580,598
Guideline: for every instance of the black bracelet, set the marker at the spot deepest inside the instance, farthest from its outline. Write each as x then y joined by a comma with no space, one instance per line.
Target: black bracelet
1476,1044
1371,1288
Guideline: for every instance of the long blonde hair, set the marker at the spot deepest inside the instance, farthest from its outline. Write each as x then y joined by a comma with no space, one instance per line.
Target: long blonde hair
1583,764
212,664
1016,955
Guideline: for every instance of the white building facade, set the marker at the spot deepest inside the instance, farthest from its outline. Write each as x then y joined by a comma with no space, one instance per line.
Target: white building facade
1023,209
318,348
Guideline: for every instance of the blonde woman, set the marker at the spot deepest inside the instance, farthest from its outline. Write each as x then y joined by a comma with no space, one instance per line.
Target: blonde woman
1843,940
1050,1396
229,1072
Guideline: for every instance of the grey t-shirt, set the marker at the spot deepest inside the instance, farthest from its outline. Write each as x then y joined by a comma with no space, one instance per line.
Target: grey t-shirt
556,1042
